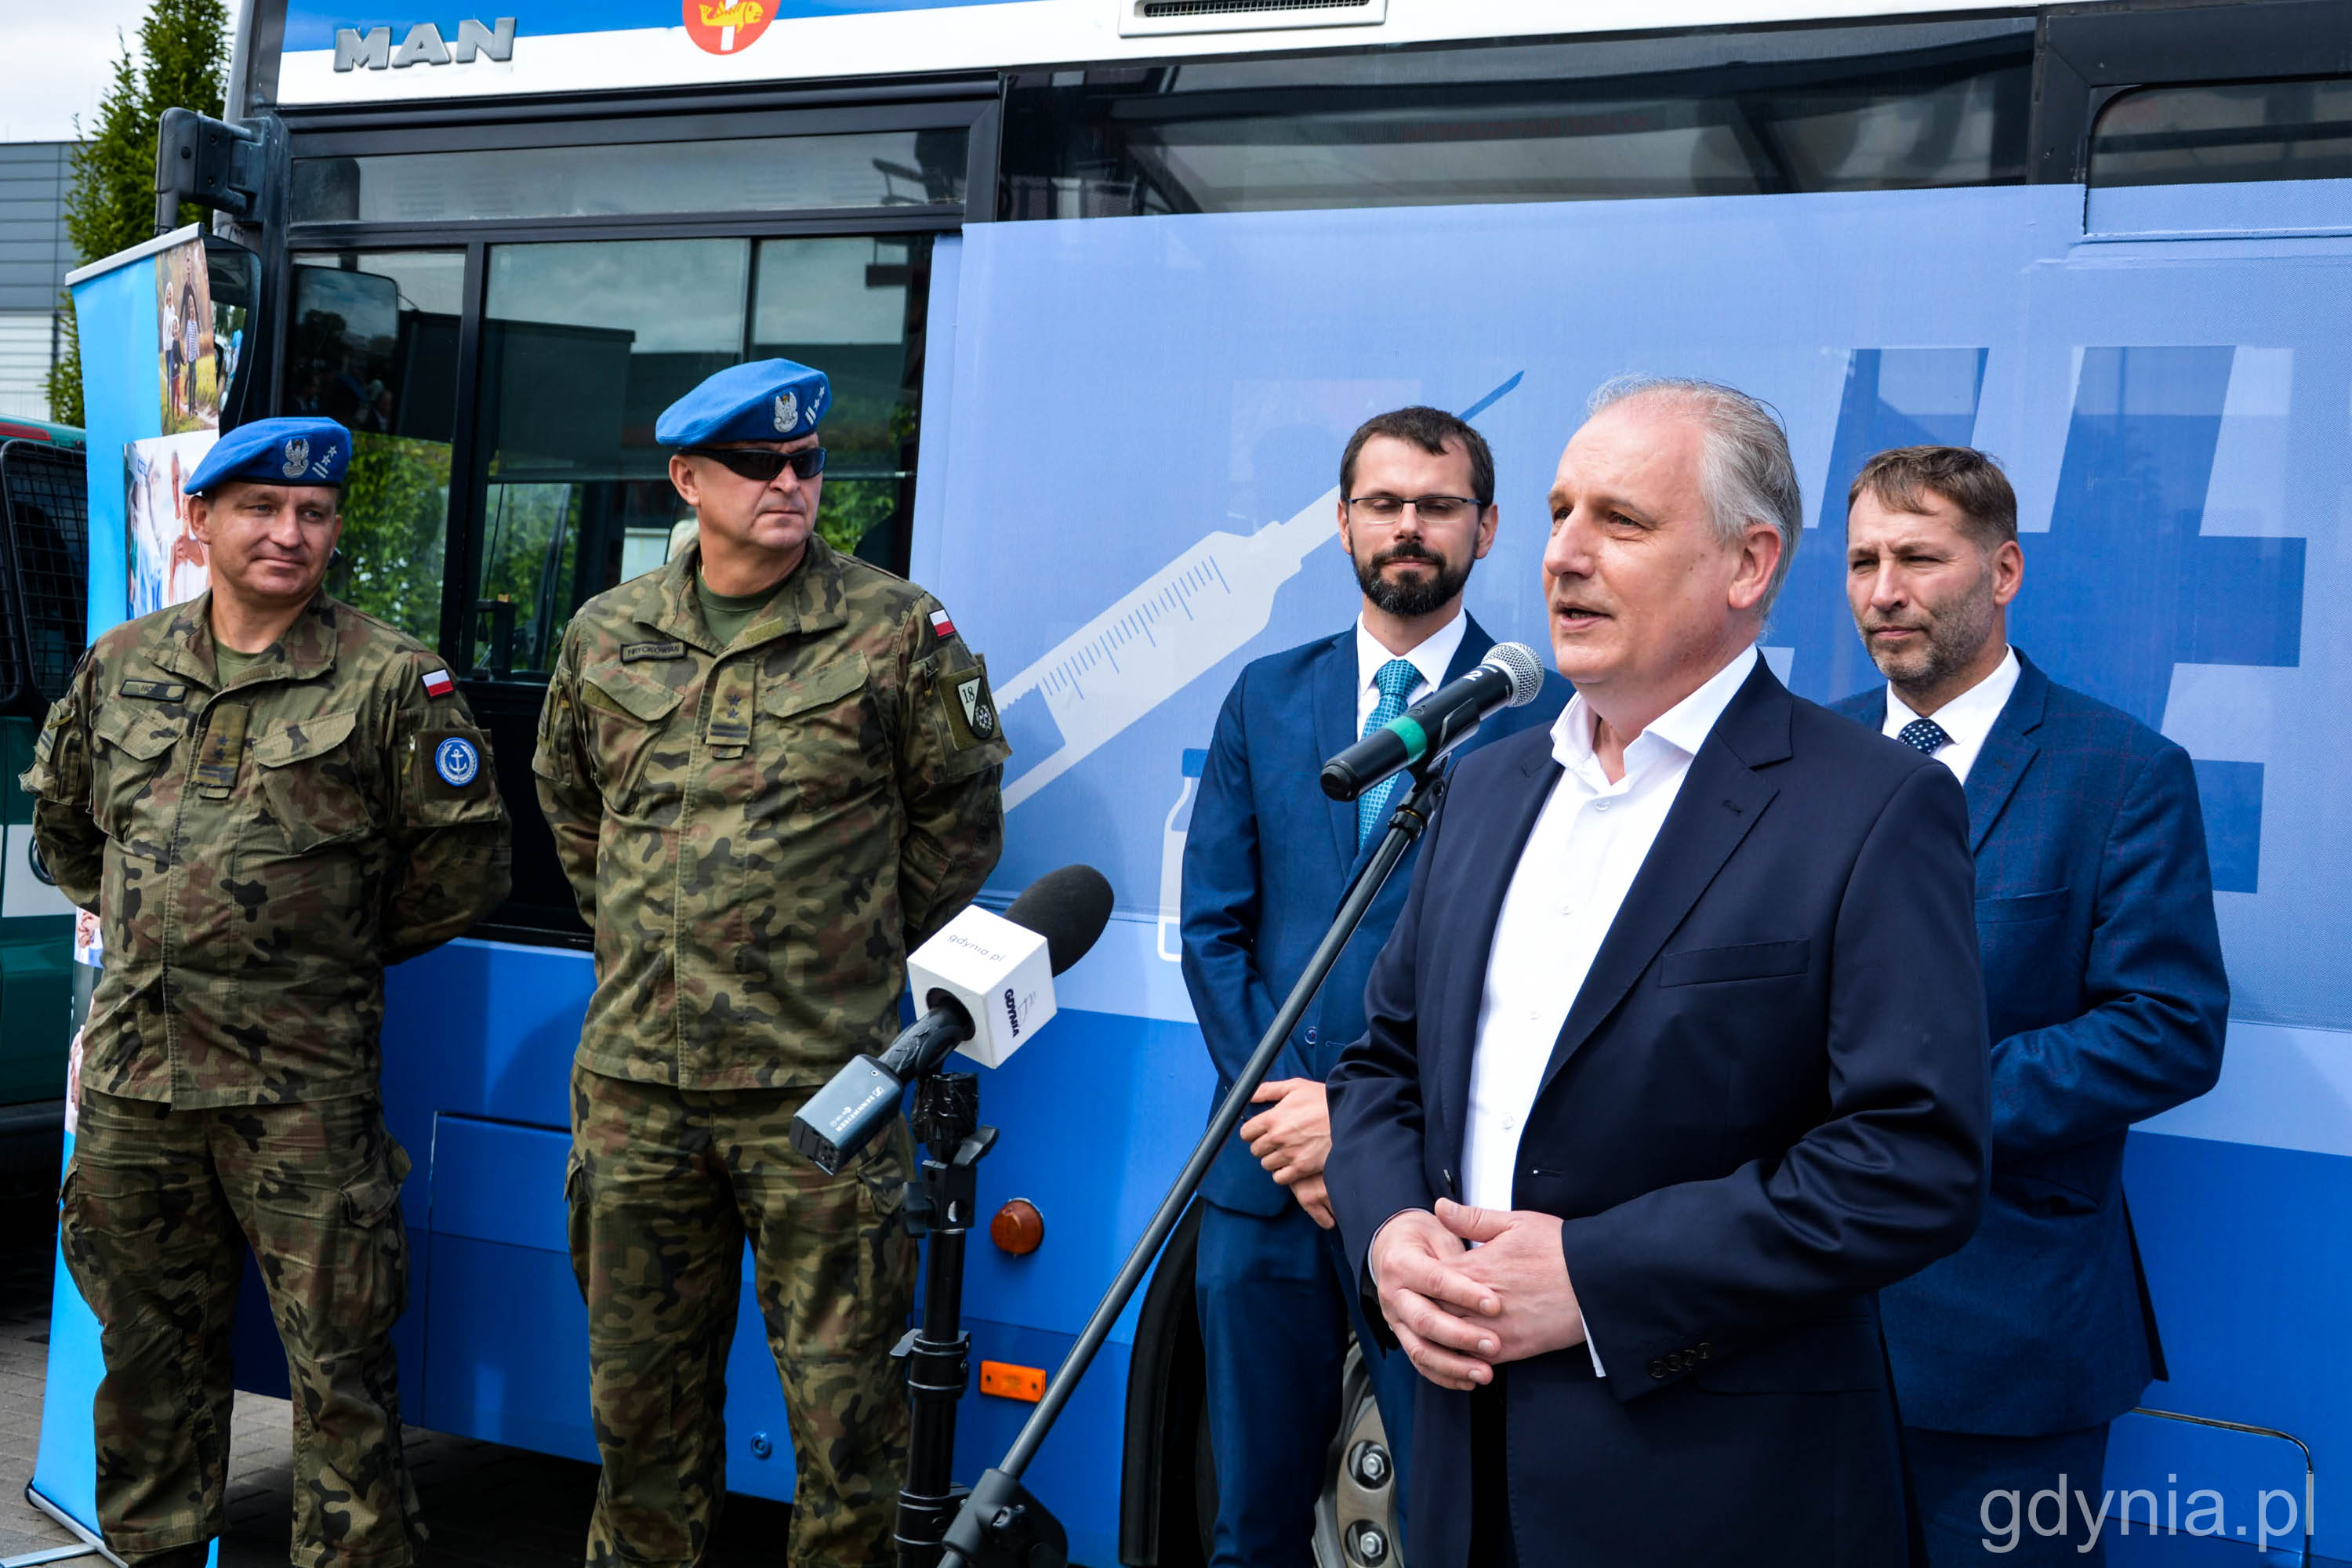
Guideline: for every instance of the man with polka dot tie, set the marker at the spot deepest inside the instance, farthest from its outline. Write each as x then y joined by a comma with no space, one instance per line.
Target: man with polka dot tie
2103,987
1267,861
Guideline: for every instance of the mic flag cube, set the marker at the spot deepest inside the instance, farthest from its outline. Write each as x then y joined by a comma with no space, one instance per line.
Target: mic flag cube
998,972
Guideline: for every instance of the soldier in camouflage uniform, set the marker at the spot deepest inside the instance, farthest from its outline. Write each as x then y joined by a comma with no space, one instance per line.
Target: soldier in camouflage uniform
771,769
261,833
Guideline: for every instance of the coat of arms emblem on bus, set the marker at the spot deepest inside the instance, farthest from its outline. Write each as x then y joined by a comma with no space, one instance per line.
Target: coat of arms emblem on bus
727,26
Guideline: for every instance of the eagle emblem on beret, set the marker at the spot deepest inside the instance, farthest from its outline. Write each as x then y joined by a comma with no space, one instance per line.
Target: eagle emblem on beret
297,457
788,413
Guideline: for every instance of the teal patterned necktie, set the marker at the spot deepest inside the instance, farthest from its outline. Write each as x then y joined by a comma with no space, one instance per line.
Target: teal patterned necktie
1396,678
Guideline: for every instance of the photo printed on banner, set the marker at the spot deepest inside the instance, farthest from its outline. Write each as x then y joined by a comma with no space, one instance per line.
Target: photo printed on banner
166,561
183,320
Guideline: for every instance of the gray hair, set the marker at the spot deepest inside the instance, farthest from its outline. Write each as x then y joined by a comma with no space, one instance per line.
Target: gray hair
1745,470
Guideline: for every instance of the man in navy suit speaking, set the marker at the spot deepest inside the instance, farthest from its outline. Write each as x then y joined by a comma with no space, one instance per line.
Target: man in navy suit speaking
1266,862
2106,995
1676,1055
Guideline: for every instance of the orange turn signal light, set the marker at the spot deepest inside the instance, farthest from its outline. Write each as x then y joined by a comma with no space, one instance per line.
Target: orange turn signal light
1006,1381
1018,1227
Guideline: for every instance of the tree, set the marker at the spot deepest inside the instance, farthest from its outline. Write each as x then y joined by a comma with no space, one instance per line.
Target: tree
111,205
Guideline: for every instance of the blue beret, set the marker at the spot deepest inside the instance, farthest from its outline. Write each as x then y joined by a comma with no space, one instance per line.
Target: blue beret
767,400
299,451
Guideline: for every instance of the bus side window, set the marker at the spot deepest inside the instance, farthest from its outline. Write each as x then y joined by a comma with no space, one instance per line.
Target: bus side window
2225,133
585,344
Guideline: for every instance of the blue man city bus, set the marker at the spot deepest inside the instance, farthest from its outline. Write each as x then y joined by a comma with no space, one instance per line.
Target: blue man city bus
1103,286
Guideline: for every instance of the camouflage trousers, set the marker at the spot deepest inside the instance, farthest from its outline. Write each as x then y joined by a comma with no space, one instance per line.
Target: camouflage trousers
159,1208
665,1187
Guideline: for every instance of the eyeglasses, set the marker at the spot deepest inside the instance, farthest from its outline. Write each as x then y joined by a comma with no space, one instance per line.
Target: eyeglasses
1437,510
758,462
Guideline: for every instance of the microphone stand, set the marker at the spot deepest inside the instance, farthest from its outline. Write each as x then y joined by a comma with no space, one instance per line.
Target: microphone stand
938,1354
1001,1525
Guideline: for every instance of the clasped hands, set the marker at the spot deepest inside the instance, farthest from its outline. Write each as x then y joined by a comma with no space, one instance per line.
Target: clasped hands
1459,1310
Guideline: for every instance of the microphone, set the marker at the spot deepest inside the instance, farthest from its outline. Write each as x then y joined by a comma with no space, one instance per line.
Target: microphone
986,981
1506,678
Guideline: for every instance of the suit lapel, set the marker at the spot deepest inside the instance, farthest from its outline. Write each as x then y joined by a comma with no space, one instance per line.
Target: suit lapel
1476,644
1720,800
1513,817
1335,730
2008,750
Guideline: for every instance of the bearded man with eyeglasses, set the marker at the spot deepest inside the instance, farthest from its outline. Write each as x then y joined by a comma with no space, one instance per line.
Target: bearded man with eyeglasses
1266,862
771,770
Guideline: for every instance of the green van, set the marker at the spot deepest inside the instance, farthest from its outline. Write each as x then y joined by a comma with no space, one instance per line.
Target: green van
44,546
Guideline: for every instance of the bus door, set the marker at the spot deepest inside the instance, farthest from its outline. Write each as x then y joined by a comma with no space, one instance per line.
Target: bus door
499,312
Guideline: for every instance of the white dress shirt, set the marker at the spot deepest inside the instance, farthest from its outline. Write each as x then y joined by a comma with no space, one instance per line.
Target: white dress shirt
1968,719
1580,861
1435,652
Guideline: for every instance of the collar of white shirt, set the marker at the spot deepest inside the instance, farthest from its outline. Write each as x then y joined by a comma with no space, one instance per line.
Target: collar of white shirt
1968,719
1433,655
1683,728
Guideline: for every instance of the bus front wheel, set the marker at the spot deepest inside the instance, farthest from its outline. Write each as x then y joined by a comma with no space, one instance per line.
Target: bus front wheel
1355,1519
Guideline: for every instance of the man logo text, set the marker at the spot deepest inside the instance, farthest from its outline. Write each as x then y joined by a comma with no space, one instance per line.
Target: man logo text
423,46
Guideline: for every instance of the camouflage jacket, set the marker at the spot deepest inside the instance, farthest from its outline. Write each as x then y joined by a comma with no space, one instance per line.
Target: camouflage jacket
257,854
758,833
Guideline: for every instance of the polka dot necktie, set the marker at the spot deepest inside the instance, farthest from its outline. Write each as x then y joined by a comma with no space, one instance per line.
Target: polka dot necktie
1923,734
1395,679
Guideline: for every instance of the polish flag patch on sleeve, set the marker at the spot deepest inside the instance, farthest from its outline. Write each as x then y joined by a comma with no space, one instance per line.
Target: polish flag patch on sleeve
438,684
941,626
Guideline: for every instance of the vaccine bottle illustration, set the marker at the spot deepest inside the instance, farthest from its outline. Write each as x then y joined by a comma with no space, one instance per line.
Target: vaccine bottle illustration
1172,859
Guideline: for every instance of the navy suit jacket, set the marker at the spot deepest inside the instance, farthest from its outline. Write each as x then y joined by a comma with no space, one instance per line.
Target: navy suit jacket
1768,1101
1269,857
2104,987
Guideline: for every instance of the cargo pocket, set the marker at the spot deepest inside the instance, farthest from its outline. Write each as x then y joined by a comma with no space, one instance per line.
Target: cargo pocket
73,1240
376,1254
575,1217
310,781
881,1170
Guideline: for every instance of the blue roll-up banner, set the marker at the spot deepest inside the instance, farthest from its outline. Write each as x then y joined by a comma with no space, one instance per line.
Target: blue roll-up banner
151,376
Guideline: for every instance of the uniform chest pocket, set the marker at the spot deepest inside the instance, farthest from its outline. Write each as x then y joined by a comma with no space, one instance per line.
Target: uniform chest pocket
310,780
819,740
130,743
641,755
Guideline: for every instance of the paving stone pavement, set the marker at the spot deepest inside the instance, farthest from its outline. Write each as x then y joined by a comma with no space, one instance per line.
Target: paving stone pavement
486,1505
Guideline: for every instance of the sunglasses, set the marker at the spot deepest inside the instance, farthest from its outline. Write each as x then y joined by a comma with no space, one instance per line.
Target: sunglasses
759,463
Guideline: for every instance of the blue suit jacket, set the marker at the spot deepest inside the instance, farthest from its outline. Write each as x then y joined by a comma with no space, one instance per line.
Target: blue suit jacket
1268,859
1768,1101
2106,995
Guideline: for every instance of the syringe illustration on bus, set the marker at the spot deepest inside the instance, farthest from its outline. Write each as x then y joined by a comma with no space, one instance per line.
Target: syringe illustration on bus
1178,625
